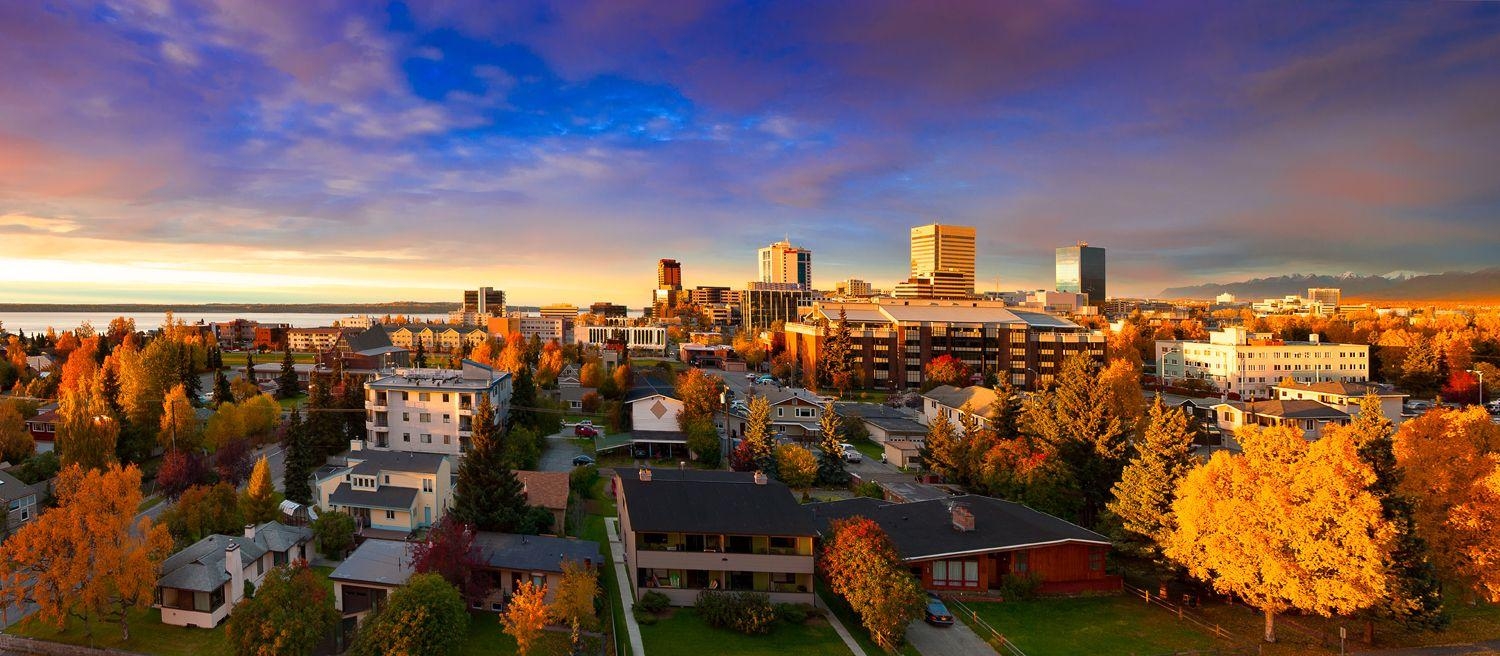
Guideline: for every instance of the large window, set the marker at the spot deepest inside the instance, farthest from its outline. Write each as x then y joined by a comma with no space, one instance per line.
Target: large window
955,573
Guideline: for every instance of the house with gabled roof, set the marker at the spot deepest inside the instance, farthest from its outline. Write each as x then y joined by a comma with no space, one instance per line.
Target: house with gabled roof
974,543
1311,417
201,584
390,494
1342,395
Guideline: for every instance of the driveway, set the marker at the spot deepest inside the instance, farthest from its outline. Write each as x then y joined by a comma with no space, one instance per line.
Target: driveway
956,640
561,449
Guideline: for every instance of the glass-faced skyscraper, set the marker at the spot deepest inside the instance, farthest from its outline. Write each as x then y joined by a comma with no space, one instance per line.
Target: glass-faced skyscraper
1080,270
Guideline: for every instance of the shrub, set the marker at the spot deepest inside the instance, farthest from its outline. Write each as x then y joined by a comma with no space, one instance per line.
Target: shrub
791,613
1019,588
750,613
653,602
642,617
813,612
869,489
582,480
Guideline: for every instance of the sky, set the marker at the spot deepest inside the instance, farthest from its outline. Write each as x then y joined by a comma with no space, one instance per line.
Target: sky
289,151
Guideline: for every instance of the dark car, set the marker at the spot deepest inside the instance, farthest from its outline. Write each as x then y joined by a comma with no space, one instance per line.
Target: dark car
937,613
585,431
582,461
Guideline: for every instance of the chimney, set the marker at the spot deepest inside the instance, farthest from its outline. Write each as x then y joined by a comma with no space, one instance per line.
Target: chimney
760,478
645,474
963,518
236,568
356,445
249,531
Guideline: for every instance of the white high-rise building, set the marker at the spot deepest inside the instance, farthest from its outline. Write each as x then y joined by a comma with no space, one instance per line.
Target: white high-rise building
1251,364
944,249
784,263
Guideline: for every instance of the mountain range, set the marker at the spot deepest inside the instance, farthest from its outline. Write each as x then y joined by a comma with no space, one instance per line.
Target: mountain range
1475,286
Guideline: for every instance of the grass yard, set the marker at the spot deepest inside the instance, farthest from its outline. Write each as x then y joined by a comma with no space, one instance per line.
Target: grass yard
685,634
488,638
594,529
149,503
869,449
1298,634
147,636
294,402
1091,625
846,616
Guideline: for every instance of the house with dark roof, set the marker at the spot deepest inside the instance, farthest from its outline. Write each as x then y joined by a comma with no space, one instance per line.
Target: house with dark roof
389,493
1309,416
955,403
975,543
685,531
201,584
510,560
364,352
19,502
1342,395
366,577
883,422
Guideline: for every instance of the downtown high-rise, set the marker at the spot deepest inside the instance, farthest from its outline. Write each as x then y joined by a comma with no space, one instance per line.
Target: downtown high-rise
1080,270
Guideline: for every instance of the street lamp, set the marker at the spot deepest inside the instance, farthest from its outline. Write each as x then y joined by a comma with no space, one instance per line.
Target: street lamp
1480,374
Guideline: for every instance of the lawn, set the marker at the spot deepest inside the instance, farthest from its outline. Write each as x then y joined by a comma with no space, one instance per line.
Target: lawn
594,529
869,449
294,402
147,635
851,623
488,638
685,634
1091,625
149,503
1298,634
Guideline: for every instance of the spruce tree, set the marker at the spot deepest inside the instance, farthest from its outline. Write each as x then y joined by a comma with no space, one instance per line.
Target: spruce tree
1005,415
488,495
523,402
287,385
300,460
222,394
831,466
940,451
757,441
188,374
1415,598
1143,497
1076,419
250,365
419,357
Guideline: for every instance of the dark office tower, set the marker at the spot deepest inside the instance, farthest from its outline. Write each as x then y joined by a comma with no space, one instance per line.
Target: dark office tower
668,274
484,300
1080,270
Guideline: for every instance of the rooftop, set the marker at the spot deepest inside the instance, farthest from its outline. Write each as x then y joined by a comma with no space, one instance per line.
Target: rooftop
473,376
382,562
371,462
977,397
1341,388
537,553
384,497
1289,409
546,489
924,529
698,501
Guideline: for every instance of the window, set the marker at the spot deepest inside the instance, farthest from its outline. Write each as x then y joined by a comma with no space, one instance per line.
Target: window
803,413
387,479
424,397
425,417
406,416
426,485
1020,562
447,419
781,412
955,573
406,437
390,514
447,439
1096,560
404,397
426,438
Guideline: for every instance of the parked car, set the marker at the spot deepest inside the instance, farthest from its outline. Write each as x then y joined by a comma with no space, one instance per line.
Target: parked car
765,380
585,431
582,461
937,612
853,455
752,376
586,422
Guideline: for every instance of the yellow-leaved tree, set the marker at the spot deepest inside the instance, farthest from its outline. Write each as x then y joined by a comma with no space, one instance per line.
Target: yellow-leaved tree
260,501
1451,461
1285,525
526,615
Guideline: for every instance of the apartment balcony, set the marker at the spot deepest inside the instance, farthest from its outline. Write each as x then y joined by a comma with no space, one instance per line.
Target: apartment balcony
379,426
724,561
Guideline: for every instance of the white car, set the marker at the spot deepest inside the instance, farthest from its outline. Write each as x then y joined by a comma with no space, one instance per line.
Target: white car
852,455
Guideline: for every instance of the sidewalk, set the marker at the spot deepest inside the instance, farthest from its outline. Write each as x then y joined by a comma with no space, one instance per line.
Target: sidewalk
617,554
838,627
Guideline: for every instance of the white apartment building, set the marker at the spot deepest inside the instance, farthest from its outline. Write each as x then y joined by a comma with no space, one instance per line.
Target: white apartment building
1251,364
389,494
431,410
637,338
312,339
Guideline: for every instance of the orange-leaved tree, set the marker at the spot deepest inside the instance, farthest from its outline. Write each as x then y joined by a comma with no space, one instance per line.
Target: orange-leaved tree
1285,525
82,558
1451,461
862,566
526,615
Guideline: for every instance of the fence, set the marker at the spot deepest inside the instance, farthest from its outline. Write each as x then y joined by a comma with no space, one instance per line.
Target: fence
1181,612
1007,647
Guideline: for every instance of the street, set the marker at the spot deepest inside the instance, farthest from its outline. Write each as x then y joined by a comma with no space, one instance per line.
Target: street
560,451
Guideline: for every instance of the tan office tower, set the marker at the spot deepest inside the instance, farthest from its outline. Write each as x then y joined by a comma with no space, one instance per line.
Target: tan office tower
944,249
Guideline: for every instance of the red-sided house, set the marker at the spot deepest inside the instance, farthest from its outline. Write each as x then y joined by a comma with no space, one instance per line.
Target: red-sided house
973,543
43,429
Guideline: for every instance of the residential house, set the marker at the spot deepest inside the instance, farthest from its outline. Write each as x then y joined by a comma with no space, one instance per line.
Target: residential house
202,583
882,422
1309,416
955,403
511,560
1344,396
687,530
270,372
436,338
654,405
364,352
366,577
974,544
43,427
795,414
432,410
547,490
390,494
19,501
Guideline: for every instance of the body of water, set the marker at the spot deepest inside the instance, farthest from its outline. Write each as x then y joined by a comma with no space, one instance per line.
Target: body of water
31,322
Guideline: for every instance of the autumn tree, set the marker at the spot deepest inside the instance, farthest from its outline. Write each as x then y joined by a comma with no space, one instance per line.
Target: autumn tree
260,500
754,451
591,375
86,431
861,565
1450,460
1285,525
573,602
179,471
425,617
1143,496
16,443
1078,421
748,347
832,469
1462,388
945,370
290,614
86,557
204,510
796,467
449,551
180,428
699,393
526,616
334,532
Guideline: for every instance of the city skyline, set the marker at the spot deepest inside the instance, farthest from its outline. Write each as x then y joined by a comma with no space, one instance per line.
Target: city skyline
173,153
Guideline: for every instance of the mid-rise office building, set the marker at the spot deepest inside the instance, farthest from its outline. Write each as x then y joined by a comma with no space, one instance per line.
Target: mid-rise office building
432,410
854,287
563,311
546,329
668,274
765,303
702,295
485,300
1252,364
782,262
937,284
608,310
1330,297
649,339
944,249
1080,269
312,339
893,339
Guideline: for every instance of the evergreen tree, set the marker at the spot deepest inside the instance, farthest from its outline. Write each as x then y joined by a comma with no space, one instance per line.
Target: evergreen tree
1143,497
300,460
488,496
324,427
523,402
250,365
110,384
940,451
419,357
756,441
188,374
831,469
1005,415
840,369
287,385
1414,591
222,394
1077,420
